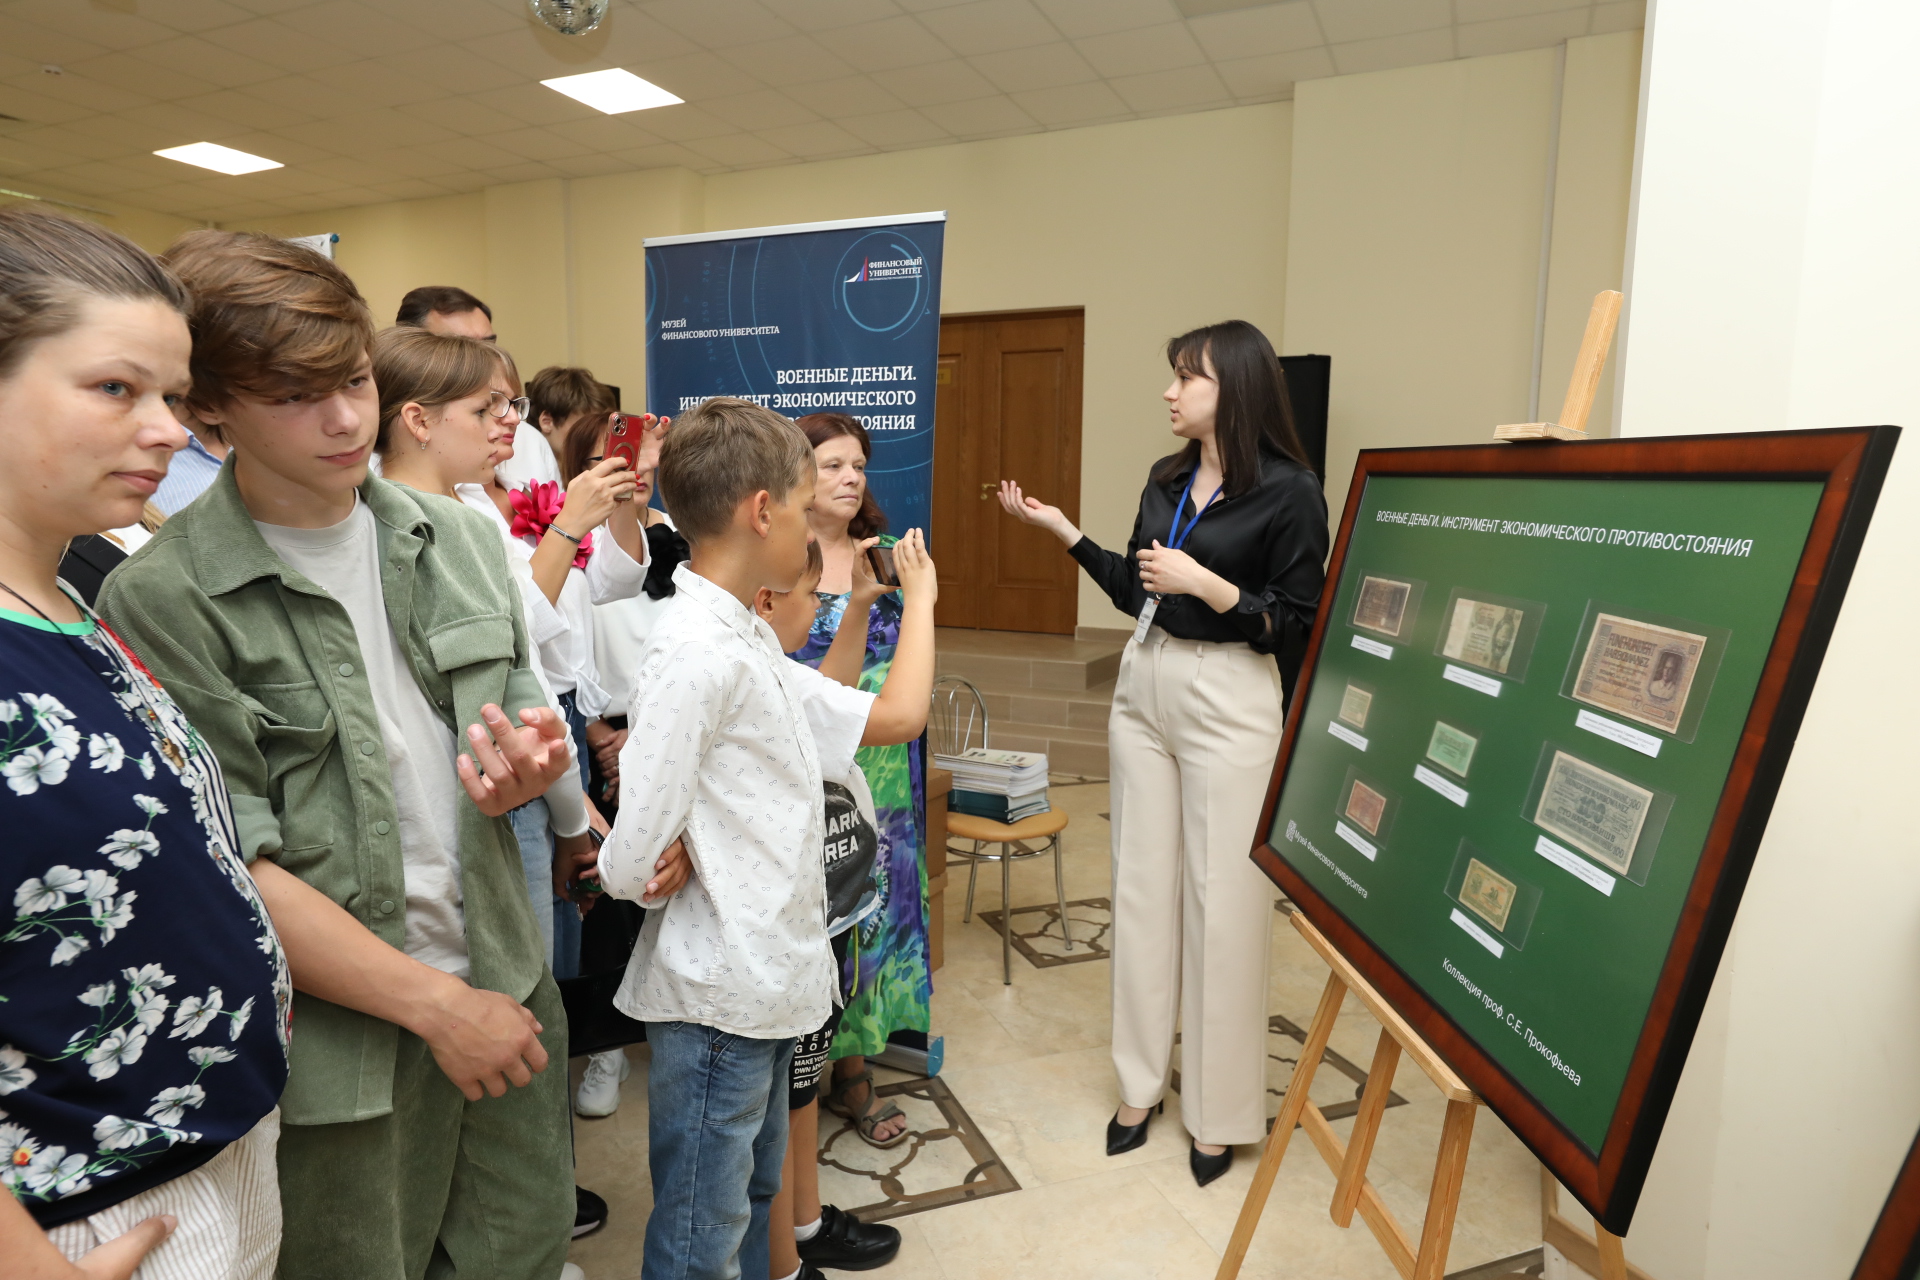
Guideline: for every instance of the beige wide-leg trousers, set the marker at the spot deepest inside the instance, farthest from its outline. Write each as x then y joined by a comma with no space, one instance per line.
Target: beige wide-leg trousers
1195,729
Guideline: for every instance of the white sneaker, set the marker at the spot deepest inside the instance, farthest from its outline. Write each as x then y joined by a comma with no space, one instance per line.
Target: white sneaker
569,1271
599,1093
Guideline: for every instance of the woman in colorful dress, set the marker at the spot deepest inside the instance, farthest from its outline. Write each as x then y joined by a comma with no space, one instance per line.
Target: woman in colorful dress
144,995
893,985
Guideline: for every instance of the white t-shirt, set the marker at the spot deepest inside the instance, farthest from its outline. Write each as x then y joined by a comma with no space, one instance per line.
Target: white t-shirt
344,560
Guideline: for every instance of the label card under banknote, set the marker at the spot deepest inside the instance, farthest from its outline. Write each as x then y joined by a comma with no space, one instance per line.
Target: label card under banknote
1483,634
1579,867
1613,731
1594,811
1471,679
1639,670
1367,848
1374,647
1428,777
1382,605
1478,934
1346,735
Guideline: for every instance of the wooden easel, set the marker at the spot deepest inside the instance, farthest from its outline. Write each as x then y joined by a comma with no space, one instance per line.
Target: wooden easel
1585,383
1348,1160
1601,1254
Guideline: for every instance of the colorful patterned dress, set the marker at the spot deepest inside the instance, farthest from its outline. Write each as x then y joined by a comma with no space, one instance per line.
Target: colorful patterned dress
893,987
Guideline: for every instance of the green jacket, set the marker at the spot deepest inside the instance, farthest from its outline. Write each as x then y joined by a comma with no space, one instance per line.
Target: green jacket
266,666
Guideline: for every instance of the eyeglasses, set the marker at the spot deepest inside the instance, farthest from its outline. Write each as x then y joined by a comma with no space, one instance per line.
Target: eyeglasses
501,407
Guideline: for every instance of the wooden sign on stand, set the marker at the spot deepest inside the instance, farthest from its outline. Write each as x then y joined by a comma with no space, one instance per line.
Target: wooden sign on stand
1585,383
1349,1159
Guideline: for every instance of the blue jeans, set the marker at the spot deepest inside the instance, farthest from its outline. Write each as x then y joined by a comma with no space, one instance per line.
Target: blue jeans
717,1135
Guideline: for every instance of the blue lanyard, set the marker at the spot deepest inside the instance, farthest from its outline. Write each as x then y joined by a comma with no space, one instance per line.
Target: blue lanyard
1176,537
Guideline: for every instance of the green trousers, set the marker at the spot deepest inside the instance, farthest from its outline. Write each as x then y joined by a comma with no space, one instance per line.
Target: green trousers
441,1187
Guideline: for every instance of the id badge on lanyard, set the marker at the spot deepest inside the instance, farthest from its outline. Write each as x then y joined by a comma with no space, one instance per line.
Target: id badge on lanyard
1176,538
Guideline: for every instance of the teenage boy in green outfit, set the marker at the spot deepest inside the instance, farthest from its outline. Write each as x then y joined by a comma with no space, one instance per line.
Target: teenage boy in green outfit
330,635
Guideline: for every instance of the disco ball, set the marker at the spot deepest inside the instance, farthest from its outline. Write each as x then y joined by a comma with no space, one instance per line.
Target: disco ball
569,17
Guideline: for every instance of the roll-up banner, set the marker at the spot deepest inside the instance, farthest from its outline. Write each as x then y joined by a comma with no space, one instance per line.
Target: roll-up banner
817,317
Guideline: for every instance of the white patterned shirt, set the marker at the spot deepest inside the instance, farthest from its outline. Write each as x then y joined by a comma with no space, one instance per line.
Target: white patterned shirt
719,747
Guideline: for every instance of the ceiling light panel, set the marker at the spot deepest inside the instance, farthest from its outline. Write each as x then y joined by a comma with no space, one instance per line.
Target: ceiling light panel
614,91
211,155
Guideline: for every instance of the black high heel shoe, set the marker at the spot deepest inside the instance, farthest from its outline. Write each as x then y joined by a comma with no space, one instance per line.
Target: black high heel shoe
1122,1138
1206,1168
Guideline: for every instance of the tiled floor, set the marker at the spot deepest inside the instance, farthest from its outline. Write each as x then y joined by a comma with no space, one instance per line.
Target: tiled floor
1029,1064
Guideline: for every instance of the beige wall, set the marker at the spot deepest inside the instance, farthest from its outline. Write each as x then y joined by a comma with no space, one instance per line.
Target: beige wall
150,230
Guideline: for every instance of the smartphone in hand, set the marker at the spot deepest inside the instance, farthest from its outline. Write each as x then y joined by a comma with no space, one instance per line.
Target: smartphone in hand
623,440
880,559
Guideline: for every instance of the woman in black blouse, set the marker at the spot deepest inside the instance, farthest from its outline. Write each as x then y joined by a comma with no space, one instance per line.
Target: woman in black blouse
1224,572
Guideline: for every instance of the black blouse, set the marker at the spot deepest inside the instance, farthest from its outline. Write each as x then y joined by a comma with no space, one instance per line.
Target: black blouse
1271,542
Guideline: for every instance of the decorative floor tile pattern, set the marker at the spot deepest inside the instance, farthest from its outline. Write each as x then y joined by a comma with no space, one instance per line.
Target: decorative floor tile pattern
1327,1092
1041,941
1531,1263
945,1159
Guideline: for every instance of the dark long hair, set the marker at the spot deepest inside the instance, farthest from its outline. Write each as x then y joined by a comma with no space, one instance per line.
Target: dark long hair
1255,414
869,521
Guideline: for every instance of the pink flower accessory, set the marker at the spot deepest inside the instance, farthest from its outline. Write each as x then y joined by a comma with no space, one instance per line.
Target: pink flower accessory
536,506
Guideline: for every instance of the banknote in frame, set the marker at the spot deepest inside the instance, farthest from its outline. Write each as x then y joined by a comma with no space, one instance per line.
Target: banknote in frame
1592,810
1640,671
1483,633
1382,606
1450,748
1488,894
1366,807
1354,705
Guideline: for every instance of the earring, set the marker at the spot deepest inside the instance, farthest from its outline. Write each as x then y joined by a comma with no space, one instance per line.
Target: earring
423,444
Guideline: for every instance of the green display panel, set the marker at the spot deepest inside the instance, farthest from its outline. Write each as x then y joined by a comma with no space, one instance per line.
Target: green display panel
1557,998
1548,700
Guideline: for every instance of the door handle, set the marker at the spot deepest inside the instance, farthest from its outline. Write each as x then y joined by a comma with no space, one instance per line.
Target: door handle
986,490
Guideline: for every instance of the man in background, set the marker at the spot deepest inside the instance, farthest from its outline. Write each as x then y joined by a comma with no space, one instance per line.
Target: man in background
452,312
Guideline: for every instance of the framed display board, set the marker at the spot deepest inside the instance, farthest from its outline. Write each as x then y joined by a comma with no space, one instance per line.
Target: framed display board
1547,704
1893,1250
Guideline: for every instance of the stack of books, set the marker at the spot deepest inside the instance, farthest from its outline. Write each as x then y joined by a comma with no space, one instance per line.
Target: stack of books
1005,786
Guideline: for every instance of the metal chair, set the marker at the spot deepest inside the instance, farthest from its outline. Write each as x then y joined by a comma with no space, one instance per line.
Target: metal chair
959,722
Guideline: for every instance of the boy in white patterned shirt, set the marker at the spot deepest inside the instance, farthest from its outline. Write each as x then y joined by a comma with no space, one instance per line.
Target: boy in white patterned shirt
729,971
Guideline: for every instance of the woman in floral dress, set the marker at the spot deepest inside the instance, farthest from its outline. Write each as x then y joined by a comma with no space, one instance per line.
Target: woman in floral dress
143,994
893,986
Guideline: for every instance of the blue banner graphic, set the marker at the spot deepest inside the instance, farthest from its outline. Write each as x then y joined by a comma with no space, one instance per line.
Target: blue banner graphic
823,317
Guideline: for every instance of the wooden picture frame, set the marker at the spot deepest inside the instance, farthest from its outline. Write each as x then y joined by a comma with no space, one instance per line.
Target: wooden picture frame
1850,464
1893,1250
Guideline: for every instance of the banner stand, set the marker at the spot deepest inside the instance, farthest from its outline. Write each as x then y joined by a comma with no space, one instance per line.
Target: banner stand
1348,1160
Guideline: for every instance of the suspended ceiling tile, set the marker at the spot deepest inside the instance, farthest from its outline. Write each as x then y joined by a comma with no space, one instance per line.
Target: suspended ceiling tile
740,150
1350,20
1465,11
1073,104
1078,19
102,28
886,45
693,76
465,116
901,128
411,189
149,79
1631,16
1188,87
522,55
431,163
279,45
1249,33
845,98
462,19
663,155
717,24
989,26
19,98
71,144
267,8
1509,35
83,92
12,65
1143,49
525,171
937,82
365,29
686,123
473,153
538,144
533,104
374,84
259,110
981,118
1274,75
812,141
788,60
1046,66
607,133
762,109
824,15
1389,52
376,127
38,44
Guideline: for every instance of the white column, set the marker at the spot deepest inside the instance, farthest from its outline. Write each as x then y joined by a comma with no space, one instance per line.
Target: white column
1773,274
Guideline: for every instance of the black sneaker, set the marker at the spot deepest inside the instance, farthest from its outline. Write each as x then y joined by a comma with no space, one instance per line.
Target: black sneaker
844,1243
589,1212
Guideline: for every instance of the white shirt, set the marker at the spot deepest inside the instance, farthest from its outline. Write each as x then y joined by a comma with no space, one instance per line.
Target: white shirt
344,561
728,744
532,458
620,631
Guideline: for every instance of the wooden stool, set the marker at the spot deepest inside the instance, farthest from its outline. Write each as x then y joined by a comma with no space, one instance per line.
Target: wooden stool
1012,837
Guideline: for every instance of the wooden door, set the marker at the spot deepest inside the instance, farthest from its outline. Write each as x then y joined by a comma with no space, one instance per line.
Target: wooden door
1007,406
